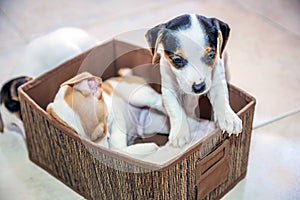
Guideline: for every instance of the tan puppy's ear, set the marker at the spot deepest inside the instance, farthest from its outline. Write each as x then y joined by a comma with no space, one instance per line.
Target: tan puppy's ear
86,84
76,79
153,37
223,35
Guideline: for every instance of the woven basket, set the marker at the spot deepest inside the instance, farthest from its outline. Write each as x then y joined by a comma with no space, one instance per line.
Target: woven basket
207,170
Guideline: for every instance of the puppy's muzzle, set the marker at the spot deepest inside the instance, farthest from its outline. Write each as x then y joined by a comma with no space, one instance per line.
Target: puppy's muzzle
198,88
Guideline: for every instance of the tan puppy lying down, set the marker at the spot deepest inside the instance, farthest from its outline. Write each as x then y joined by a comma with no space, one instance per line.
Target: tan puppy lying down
111,113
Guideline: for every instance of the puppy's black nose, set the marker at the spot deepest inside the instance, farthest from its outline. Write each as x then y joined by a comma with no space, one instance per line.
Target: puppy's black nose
197,88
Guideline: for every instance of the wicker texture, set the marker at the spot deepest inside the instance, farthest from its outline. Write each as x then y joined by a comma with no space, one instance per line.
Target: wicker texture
96,173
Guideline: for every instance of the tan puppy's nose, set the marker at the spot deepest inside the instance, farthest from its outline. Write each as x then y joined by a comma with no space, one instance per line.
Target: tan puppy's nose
198,88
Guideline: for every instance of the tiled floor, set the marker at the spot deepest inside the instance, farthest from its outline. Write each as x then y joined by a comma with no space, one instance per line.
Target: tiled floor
264,60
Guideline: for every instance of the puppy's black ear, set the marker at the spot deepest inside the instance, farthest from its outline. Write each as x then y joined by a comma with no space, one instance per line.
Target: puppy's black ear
15,84
223,34
1,124
153,37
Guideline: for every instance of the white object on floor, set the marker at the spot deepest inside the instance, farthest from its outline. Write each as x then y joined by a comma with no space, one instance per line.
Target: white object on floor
48,51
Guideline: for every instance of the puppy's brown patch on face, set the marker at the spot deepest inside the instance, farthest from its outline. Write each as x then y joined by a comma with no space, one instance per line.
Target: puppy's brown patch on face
177,58
207,50
209,56
169,59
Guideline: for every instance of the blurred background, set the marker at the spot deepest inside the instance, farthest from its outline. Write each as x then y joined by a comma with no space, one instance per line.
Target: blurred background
264,57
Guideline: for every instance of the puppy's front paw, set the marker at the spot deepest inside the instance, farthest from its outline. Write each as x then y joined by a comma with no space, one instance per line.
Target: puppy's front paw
229,122
179,135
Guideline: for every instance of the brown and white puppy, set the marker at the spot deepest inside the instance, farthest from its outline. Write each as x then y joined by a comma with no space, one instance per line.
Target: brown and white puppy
10,113
190,49
110,113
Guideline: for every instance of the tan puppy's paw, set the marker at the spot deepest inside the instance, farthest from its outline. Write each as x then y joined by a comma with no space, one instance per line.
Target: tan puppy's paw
99,132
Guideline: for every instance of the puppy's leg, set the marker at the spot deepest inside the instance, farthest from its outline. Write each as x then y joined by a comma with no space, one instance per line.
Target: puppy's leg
219,98
147,97
191,105
152,121
118,138
118,142
179,133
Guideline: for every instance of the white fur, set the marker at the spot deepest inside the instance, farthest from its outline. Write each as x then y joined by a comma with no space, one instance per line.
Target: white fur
48,51
127,116
223,114
178,97
196,71
10,119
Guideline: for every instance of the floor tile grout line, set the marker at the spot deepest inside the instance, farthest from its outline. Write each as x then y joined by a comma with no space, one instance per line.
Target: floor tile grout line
276,118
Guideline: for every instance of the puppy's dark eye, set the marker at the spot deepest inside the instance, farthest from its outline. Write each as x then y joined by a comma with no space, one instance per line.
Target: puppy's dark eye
178,61
209,57
211,54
